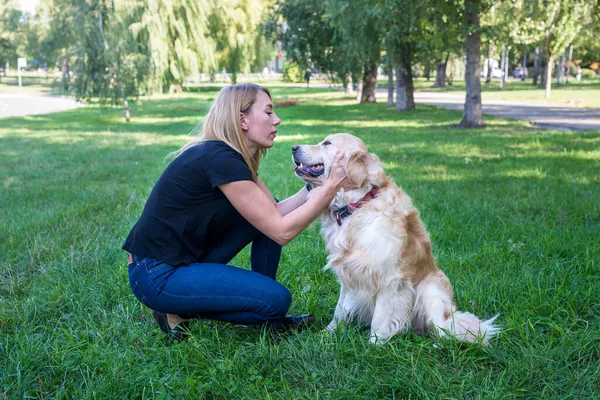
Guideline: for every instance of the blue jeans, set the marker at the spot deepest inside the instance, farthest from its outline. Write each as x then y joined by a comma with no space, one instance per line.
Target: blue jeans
213,290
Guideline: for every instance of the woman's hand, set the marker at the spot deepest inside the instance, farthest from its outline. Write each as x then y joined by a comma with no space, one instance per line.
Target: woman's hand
337,174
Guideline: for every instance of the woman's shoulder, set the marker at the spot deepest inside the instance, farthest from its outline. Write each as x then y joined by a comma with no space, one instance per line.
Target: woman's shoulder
207,149
208,153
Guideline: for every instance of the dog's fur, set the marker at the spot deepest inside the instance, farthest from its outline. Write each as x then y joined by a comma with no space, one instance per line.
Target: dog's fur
382,253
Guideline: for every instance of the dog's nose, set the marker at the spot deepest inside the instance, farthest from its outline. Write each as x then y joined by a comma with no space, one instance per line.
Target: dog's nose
295,147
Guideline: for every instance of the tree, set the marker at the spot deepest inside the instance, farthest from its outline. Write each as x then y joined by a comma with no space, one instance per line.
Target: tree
587,45
552,24
443,35
406,34
472,115
178,39
361,37
233,26
11,32
309,37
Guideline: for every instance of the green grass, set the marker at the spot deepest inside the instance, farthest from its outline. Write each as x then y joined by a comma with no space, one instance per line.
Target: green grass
513,213
575,94
30,84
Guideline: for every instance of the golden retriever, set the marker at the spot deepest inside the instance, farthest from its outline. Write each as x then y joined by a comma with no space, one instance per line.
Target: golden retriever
380,251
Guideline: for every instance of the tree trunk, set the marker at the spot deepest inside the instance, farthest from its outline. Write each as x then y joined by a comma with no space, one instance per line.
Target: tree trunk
524,67
488,75
359,89
440,73
428,72
348,86
542,77
404,83
390,73
404,90
549,64
536,66
65,74
390,100
569,64
547,73
502,67
125,103
369,84
506,64
560,70
405,99
472,117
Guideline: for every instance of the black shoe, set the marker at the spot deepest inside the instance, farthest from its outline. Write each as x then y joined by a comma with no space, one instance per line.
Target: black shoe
290,322
177,334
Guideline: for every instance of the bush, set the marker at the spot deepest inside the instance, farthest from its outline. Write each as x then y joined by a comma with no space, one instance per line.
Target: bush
587,73
292,72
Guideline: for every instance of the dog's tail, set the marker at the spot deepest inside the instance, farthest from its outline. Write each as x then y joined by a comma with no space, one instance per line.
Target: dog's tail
468,327
435,308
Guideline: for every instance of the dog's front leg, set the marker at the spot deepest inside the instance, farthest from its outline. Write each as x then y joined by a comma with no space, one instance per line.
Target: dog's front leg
340,314
393,311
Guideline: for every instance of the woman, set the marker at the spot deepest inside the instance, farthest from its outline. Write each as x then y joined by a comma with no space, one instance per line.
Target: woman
208,204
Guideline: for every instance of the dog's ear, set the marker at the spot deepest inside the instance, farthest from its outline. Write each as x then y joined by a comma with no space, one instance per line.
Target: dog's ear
356,168
376,173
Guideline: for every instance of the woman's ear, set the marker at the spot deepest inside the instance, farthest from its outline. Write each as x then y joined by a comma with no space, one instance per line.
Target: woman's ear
356,168
243,122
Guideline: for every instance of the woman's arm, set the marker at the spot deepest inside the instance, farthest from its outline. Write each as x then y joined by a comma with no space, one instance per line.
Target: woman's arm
291,203
288,205
257,207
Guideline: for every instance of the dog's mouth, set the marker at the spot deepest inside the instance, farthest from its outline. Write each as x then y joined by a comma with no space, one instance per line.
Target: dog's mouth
312,170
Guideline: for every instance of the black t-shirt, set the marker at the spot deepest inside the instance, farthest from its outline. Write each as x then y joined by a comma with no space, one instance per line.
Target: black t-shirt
186,210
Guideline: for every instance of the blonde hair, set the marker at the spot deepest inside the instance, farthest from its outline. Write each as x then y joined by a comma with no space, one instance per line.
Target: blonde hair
223,121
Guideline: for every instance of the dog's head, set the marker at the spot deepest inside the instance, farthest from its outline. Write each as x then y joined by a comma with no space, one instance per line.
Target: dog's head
313,162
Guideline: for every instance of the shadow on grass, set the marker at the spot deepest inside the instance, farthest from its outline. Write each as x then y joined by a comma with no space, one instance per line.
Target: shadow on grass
513,214
427,135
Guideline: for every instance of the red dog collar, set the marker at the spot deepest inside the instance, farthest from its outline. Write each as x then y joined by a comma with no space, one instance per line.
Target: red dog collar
350,208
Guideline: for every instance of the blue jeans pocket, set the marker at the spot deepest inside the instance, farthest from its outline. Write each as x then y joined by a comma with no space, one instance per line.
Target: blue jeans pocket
159,273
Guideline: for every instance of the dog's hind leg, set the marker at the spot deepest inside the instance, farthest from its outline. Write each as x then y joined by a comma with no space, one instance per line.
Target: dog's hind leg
393,311
341,312
435,309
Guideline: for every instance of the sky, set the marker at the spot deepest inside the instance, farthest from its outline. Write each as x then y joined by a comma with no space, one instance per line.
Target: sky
29,5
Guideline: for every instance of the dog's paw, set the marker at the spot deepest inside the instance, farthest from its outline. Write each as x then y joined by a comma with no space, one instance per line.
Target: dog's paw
377,341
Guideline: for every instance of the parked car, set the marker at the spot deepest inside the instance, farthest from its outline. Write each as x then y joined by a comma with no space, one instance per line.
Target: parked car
496,73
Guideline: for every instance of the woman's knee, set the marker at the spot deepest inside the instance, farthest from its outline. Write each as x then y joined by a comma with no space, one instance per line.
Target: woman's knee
280,299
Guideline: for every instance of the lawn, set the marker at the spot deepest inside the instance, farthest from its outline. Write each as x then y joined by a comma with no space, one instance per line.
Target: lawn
513,213
29,84
574,94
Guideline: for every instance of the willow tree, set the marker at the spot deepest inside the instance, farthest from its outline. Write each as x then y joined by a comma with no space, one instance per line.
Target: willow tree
234,26
178,39
361,37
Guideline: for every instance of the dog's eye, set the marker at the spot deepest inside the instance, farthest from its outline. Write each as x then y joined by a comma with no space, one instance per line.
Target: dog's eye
325,143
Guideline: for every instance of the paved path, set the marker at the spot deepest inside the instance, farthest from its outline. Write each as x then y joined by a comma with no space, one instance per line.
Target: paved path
20,105
541,115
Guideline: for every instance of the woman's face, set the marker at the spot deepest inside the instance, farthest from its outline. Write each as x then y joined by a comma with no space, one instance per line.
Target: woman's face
260,126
